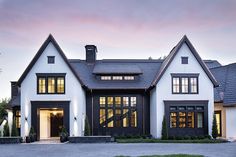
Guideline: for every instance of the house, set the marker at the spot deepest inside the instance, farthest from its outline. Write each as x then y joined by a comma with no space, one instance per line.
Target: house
119,96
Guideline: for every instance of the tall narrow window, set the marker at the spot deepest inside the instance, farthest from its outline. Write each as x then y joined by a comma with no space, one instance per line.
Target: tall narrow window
173,120
102,117
133,120
125,118
133,101
110,120
18,115
200,120
60,85
193,86
51,84
176,85
184,85
190,119
182,119
41,85
118,117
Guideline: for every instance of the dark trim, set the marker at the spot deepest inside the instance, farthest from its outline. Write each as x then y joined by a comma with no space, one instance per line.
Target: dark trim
182,75
187,131
46,76
35,114
50,39
172,55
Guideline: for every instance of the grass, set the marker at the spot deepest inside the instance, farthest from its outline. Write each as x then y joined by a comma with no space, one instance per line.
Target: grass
141,140
172,155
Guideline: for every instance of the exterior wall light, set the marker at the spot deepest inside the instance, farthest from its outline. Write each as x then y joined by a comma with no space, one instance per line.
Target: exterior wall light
75,118
26,119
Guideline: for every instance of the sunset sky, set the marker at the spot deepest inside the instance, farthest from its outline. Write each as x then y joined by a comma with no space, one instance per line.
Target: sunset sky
119,28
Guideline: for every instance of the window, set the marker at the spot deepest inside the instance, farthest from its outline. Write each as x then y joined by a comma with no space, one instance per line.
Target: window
184,60
105,77
128,77
182,119
173,120
200,120
51,59
190,119
50,84
184,83
41,85
133,101
117,78
115,111
18,115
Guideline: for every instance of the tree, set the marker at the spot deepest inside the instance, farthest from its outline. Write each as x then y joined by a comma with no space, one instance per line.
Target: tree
3,111
87,131
164,132
6,131
14,131
214,128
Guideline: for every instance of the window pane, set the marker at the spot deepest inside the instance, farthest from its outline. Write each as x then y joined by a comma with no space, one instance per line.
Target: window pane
173,119
133,101
182,119
218,122
184,82
117,78
129,77
51,85
175,85
125,101
110,118
105,77
190,119
102,117
200,120
133,120
125,118
102,101
118,117
110,101
118,101
60,85
194,85
42,85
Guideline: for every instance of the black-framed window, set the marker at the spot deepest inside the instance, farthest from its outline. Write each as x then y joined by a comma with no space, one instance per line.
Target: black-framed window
50,83
118,111
17,119
185,83
184,60
51,59
117,77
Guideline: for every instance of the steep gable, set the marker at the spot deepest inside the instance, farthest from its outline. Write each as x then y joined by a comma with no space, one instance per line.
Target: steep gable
49,40
172,55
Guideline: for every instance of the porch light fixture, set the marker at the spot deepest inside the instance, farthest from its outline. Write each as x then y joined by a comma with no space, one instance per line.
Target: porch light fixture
75,118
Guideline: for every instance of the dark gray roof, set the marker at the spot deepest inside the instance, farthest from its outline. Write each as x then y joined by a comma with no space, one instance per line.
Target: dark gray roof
116,68
149,68
15,101
212,63
226,76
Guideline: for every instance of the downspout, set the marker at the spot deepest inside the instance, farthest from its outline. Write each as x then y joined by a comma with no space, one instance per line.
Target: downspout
91,91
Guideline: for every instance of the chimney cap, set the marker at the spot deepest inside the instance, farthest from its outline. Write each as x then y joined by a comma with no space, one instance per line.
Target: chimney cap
91,47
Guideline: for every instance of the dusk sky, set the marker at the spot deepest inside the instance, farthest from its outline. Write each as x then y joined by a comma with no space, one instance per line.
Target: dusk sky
134,29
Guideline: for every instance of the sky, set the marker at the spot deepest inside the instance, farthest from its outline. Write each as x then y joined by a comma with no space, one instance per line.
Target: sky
134,29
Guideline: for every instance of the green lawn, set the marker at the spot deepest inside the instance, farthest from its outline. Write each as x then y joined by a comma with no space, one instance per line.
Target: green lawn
141,140
173,155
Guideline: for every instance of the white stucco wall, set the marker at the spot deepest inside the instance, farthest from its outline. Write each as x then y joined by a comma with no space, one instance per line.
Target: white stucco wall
73,92
163,90
230,122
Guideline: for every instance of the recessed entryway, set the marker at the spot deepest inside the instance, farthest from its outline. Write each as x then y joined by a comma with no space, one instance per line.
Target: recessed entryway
51,123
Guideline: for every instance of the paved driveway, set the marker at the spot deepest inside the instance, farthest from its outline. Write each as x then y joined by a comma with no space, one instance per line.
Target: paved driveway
113,149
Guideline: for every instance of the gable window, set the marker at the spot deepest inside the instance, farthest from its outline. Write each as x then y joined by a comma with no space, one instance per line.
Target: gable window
185,83
50,84
105,77
51,59
128,77
184,60
117,78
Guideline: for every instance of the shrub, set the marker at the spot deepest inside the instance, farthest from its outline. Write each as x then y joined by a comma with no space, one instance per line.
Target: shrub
171,137
32,134
214,128
186,137
179,137
164,133
14,131
64,135
6,131
87,130
201,137
0,133
208,136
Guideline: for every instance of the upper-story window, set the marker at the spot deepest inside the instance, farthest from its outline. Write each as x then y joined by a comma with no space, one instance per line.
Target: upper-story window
51,59
184,60
51,84
185,83
117,78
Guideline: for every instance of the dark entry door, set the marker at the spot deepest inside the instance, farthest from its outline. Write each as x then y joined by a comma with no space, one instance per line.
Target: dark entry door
56,124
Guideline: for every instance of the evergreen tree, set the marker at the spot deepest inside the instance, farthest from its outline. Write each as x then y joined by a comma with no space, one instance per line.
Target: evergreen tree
214,128
14,131
164,133
6,131
87,131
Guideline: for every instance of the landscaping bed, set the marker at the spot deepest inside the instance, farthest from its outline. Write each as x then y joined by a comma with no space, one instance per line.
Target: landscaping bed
10,140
